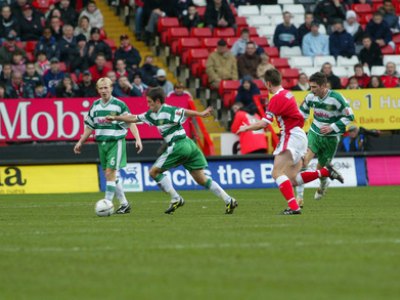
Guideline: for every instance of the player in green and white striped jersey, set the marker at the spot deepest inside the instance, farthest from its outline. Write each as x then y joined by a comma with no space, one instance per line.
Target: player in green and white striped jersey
110,138
181,150
331,115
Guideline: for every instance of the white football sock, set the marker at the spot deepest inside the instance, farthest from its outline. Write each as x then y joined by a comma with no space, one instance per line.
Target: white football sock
300,191
110,190
165,185
219,192
119,192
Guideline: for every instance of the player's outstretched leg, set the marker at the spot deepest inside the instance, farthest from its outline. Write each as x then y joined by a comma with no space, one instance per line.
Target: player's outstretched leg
124,206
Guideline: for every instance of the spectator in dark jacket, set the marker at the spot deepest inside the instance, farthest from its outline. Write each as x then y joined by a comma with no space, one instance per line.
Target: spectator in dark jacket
128,53
56,28
371,54
47,44
67,44
192,18
80,57
379,30
8,23
149,71
31,27
31,77
244,98
154,9
219,14
17,88
248,62
68,12
87,88
96,46
5,74
53,76
182,7
357,139
286,33
389,15
328,11
8,48
67,88
124,88
305,27
341,42
332,78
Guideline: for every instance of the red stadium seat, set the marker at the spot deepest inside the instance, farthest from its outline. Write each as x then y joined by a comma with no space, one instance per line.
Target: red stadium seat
396,38
224,32
111,43
42,5
63,67
362,9
271,51
30,46
164,23
186,43
241,22
194,57
228,90
30,57
364,19
260,41
288,83
201,10
109,65
252,32
260,84
233,8
279,63
230,41
201,32
290,73
176,33
210,42
344,81
397,48
387,50
103,34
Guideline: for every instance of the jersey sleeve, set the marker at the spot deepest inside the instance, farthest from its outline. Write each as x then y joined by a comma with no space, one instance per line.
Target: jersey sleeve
145,118
89,120
347,115
305,106
271,111
124,109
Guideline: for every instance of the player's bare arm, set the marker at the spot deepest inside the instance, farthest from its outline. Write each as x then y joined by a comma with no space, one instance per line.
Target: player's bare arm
138,140
255,126
124,118
203,114
78,146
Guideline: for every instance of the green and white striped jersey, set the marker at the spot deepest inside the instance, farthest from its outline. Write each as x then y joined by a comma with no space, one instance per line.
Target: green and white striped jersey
96,119
169,120
333,110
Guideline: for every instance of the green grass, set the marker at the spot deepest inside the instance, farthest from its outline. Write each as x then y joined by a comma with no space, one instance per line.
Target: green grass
346,246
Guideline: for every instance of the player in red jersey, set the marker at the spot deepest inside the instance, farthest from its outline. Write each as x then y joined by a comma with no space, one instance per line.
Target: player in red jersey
293,142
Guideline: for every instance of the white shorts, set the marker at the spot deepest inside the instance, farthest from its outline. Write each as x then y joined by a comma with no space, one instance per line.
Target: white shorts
295,141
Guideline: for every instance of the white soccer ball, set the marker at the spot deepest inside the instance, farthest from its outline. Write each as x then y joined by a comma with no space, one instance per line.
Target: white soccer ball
104,208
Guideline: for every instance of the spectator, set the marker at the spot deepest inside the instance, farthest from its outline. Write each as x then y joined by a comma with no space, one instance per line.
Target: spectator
179,91
192,19
389,15
219,14
99,69
7,50
221,65
239,47
332,78
286,33
17,6
8,23
353,84
94,14
375,83
390,78
248,62
182,7
357,139
120,70
264,66
341,42
305,27
154,9
3,94
96,46
68,13
16,89
161,78
123,88
40,91
31,27
56,28
87,88
245,96
54,13
391,69
5,74
18,62
83,27
67,45
53,76
31,76
67,88
139,19
328,11
315,43
112,76
48,44
353,27
379,31
362,78
80,55
302,84
128,53
148,71
42,64
371,54
139,87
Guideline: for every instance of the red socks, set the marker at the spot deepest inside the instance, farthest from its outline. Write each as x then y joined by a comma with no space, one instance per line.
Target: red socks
286,188
308,176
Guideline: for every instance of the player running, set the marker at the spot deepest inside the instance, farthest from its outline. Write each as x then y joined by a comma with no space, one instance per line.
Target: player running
331,115
181,150
293,142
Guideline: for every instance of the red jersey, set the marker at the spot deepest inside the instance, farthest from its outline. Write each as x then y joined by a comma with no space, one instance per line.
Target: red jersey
283,107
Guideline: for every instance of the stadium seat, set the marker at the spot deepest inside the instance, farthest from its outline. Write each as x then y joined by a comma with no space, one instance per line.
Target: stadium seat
267,31
42,5
367,71
185,44
271,10
194,56
201,32
391,58
309,70
30,57
339,71
344,81
201,10
63,67
271,51
300,61
294,9
285,1
362,9
290,51
347,62
322,29
259,21
276,20
241,22
230,41
30,46
364,19
111,43
396,38
224,32
279,62
288,83
210,43
297,20
290,73
248,10
252,32
260,84
173,34
350,71
387,50
164,23
377,70
260,41
320,60
227,89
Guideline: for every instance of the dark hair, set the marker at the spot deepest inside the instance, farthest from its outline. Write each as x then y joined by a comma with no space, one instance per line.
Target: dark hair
251,43
273,76
377,13
244,30
156,93
319,78
367,36
358,66
379,80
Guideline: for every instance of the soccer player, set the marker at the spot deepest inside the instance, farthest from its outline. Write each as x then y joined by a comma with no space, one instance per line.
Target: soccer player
181,150
331,115
110,139
293,142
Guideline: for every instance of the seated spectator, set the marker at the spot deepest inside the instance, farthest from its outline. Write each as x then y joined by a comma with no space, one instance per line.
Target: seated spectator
161,80
219,14
54,13
357,139
179,91
328,11
371,54
96,46
68,12
120,70
42,64
5,74
353,27
8,23
152,11
31,76
379,31
390,78
67,45
67,88
2,91
332,78
99,69
221,65
83,27
315,43
389,15
31,27
353,84
40,91
375,83
139,87
305,27
128,53
245,96
80,55
286,33
87,88
48,44
17,89
112,76
7,50
53,76
249,61
362,78
182,8
18,62
391,69
264,66
239,47
123,88
148,71
302,84
94,14
341,42
56,28
192,18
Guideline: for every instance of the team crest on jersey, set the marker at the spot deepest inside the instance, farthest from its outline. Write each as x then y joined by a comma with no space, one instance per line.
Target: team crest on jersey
113,113
330,107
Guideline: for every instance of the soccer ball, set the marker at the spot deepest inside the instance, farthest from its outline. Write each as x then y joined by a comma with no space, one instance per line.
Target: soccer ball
104,208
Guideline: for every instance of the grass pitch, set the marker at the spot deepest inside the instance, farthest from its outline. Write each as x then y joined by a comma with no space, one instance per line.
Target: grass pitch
346,246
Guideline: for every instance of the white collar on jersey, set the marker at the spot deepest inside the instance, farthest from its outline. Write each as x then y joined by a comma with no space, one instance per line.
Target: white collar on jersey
279,90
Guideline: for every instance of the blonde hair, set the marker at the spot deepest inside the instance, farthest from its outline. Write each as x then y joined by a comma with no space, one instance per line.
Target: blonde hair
105,80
